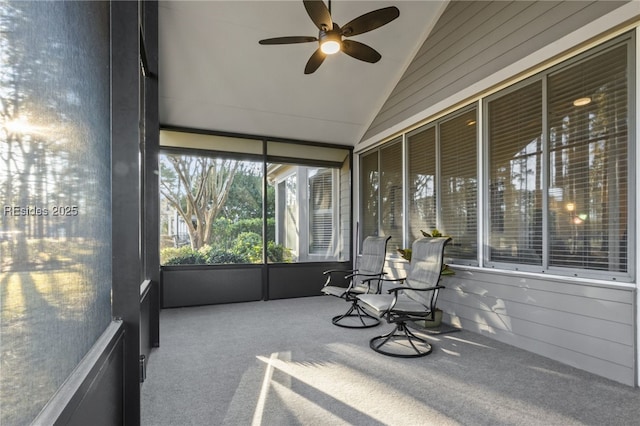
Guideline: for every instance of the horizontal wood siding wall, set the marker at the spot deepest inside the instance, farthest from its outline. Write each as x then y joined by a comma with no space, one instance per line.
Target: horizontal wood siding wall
580,324
474,39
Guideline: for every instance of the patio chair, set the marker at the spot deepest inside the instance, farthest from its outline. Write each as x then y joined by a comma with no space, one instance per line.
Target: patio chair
413,300
363,280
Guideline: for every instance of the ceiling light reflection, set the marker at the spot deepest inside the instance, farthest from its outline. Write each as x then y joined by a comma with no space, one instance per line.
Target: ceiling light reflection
582,101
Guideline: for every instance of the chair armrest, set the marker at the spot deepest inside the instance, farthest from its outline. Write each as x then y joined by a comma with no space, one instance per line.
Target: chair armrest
331,271
357,274
347,273
397,290
380,280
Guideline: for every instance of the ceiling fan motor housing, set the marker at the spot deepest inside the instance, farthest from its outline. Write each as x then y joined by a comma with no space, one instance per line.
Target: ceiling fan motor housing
330,41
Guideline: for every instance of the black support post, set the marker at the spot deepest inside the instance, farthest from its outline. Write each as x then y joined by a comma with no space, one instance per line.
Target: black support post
126,200
151,190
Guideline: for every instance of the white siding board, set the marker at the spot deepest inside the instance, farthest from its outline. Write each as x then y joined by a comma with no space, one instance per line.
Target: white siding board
550,284
587,326
496,323
504,311
442,43
596,308
620,373
464,42
474,39
483,53
455,48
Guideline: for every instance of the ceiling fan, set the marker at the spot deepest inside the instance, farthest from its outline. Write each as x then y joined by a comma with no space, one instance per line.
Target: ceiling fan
330,37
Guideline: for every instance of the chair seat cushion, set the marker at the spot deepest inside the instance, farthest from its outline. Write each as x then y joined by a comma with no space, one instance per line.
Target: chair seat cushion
341,291
380,303
359,289
333,290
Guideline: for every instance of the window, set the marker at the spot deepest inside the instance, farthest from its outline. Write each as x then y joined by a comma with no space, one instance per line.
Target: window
210,209
369,195
382,208
588,175
562,203
391,195
459,185
555,171
221,195
442,186
321,212
421,147
515,176
308,216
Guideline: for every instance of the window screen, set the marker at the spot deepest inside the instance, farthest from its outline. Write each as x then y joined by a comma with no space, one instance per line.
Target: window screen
55,183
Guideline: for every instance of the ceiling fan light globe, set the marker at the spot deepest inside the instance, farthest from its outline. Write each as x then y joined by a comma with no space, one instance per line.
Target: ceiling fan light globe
330,47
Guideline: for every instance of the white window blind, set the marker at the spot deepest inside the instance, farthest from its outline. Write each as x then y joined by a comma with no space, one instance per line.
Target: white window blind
588,163
422,182
555,173
391,194
369,195
321,212
515,176
582,205
459,185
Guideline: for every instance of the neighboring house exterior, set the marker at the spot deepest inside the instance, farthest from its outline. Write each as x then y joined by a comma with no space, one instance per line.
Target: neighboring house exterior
307,216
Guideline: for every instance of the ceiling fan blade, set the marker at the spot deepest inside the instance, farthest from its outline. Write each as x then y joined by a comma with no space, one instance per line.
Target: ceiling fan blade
370,21
288,40
319,14
314,61
360,51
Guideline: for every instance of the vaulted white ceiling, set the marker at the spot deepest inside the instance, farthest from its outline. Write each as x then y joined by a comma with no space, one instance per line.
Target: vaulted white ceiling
215,76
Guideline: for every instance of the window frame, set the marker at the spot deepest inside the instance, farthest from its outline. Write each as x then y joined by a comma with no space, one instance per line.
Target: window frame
629,41
483,225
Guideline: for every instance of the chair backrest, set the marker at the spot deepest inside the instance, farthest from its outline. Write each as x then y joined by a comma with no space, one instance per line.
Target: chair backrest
374,252
427,259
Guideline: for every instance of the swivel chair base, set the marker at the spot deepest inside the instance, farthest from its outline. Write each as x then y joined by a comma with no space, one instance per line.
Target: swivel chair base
409,345
365,320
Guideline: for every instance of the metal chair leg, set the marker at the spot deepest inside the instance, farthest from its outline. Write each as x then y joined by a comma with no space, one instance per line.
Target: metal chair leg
401,334
355,311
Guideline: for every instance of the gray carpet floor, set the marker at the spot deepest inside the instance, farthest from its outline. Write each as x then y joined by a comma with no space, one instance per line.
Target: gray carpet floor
282,362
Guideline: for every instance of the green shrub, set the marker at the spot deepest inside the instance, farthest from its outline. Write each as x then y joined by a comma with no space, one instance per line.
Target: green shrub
226,232
277,253
249,244
182,256
216,256
246,248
